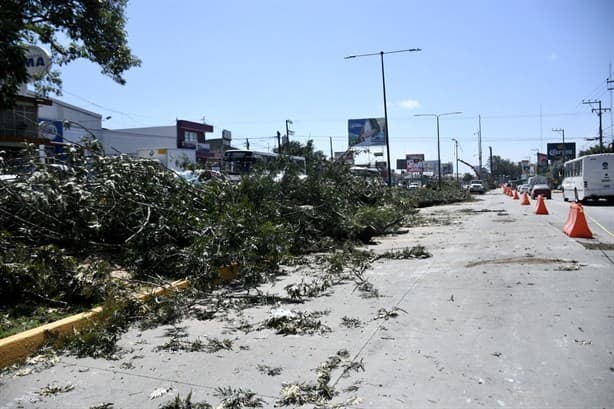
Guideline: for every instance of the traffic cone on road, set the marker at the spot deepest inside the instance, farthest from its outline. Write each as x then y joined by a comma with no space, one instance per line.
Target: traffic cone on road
541,206
525,199
516,197
576,225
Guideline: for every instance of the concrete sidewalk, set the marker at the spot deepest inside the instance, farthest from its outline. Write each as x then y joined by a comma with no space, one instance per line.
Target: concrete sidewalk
508,312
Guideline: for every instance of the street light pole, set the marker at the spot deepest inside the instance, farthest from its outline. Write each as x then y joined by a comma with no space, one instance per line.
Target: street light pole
381,54
456,157
438,149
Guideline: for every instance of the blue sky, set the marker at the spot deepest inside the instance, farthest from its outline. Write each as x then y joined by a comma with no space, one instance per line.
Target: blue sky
247,66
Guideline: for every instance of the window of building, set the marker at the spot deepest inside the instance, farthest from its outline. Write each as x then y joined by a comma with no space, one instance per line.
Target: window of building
19,122
191,137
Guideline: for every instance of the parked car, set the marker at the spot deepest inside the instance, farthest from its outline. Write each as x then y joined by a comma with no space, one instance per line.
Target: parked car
413,186
476,186
543,190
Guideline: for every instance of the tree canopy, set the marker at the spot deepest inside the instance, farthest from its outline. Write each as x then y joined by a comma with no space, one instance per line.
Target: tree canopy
70,29
506,167
597,149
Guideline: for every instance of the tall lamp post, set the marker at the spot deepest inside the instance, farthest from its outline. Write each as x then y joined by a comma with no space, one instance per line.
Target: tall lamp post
456,157
381,54
438,148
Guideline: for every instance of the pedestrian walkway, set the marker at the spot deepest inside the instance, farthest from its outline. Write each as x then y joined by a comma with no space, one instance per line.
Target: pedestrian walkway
508,312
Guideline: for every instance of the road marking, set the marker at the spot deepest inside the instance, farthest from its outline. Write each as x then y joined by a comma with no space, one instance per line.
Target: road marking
602,227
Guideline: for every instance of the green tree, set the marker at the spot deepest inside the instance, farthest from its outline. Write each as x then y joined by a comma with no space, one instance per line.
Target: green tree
597,149
71,29
504,167
312,157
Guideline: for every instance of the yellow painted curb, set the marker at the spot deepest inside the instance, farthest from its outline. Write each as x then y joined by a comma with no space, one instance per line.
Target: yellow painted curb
17,347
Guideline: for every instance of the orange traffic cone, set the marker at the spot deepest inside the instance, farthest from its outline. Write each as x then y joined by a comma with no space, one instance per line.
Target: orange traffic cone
516,197
525,199
576,225
541,206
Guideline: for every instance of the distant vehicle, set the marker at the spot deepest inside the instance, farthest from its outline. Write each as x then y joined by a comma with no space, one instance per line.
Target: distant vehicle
174,159
239,163
589,178
476,186
372,173
541,189
536,180
413,186
524,188
199,176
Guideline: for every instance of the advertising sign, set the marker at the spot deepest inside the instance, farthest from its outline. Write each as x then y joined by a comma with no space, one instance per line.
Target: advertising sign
542,163
561,151
415,162
38,62
52,130
366,132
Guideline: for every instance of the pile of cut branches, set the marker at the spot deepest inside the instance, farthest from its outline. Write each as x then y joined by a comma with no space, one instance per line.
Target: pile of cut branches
66,226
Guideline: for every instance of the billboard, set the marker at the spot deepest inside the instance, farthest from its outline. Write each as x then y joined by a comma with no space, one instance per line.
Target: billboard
542,163
366,132
415,162
564,151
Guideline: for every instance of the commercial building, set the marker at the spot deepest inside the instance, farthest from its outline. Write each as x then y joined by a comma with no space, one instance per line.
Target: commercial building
51,124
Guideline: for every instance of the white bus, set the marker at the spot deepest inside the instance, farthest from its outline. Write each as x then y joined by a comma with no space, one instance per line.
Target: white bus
589,178
238,163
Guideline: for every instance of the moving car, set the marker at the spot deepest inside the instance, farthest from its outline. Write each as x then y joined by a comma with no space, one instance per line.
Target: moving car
524,188
476,186
541,189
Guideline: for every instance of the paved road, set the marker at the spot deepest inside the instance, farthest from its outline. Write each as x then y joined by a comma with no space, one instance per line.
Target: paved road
600,216
508,312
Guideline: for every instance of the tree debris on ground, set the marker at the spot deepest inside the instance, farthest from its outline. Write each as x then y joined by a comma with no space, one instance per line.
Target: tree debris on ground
66,227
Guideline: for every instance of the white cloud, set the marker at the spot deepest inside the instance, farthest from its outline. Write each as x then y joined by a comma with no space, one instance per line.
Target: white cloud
410,104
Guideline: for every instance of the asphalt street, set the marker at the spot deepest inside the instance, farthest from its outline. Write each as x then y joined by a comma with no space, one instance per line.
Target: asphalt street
507,312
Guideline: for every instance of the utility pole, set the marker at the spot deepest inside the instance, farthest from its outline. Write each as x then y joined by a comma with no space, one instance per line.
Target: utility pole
288,131
247,143
278,142
599,111
562,131
492,172
480,143
331,148
610,88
